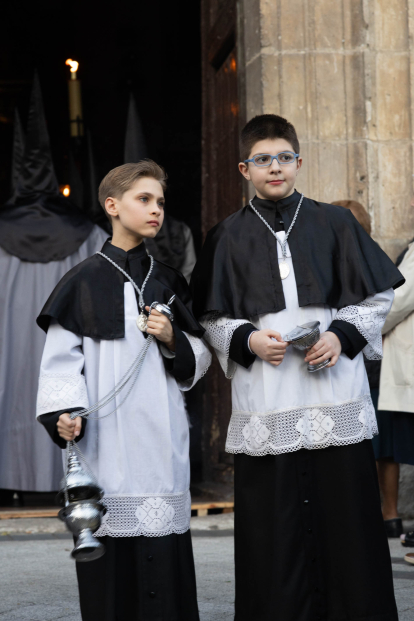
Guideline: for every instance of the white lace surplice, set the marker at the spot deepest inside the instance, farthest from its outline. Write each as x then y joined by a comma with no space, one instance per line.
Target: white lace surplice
282,409
139,454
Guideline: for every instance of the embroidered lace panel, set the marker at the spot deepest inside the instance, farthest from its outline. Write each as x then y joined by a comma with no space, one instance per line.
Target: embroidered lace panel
202,357
58,391
368,317
310,427
219,332
153,515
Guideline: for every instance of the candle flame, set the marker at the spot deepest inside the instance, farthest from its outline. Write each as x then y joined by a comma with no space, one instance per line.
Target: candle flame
65,190
73,64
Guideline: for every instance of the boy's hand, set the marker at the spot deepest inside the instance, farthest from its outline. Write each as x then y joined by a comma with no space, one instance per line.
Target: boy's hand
328,346
69,429
160,326
269,346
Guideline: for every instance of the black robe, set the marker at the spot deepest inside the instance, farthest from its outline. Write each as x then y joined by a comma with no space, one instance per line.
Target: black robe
335,261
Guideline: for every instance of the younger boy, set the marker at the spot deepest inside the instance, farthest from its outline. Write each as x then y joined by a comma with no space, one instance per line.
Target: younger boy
309,535
140,453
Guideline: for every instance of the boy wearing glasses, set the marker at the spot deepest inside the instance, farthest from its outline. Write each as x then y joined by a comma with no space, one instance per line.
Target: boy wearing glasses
309,535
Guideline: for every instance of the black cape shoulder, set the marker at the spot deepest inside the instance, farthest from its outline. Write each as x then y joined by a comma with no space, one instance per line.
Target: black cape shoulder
335,262
89,300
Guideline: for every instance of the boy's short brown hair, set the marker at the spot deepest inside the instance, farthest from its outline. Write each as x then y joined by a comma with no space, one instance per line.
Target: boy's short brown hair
121,179
266,126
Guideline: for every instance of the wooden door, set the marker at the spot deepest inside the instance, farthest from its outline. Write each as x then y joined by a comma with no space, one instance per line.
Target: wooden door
221,194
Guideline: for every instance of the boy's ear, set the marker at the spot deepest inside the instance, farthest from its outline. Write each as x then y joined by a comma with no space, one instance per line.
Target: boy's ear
299,164
111,207
244,169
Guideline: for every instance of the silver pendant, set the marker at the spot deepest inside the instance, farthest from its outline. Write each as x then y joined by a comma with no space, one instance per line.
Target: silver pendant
284,270
142,321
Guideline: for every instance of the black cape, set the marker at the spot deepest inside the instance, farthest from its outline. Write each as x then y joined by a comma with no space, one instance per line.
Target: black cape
89,300
335,261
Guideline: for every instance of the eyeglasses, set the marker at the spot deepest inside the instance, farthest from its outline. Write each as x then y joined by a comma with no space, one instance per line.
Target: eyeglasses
265,159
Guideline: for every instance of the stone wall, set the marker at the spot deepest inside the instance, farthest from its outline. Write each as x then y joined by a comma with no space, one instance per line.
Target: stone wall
342,71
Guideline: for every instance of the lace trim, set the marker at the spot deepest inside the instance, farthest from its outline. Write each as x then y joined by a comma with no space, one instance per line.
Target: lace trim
152,515
219,332
310,427
368,317
202,357
58,391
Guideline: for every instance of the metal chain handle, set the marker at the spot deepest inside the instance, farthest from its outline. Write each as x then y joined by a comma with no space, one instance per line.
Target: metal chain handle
284,243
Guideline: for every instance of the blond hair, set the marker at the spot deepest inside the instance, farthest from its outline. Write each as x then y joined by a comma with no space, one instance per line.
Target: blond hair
121,179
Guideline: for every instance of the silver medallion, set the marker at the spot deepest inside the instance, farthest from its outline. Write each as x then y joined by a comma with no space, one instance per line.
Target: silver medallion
142,321
284,270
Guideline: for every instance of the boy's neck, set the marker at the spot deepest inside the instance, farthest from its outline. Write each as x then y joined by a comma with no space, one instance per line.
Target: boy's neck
126,241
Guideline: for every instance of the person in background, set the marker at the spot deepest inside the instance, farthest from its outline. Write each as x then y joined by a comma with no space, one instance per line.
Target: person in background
395,442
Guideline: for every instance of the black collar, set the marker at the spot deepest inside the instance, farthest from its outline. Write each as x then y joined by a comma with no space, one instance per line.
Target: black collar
122,256
284,204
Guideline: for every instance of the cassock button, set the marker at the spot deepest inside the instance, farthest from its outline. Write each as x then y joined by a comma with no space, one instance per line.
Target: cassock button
309,530
150,557
306,502
152,594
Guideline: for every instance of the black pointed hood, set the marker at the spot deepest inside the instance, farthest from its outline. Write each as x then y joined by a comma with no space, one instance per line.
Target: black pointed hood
135,148
18,150
38,224
37,173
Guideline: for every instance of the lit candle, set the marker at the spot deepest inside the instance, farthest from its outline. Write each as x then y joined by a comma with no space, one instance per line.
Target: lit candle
75,101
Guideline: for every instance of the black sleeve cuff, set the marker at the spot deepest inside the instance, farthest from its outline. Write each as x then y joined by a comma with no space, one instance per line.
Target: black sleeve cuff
183,365
239,349
49,422
352,341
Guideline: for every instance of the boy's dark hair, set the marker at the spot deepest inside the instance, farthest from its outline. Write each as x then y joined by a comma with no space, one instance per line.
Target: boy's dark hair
266,126
121,179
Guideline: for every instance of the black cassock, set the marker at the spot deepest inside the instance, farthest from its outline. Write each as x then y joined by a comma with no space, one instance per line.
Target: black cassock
310,540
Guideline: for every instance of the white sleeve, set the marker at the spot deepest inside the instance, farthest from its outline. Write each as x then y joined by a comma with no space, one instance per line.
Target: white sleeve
219,332
61,382
202,357
368,317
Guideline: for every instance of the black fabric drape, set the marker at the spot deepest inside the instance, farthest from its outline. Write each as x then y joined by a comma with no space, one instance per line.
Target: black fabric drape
140,578
89,300
310,541
42,228
335,261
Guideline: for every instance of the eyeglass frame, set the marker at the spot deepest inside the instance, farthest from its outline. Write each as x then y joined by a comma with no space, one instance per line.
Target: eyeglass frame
273,157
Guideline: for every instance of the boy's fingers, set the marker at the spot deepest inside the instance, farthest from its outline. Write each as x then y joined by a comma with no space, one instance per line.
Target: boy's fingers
275,335
78,425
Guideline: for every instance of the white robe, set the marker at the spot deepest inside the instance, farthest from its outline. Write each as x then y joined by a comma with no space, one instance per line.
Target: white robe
28,460
139,454
282,409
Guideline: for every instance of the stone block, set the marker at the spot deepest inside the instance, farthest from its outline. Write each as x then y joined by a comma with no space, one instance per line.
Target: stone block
392,96
355,25
254,93
251,25
271,72
328,24
355,98
289,94
333,172
391,24
396,217
283,24
330,84
358,179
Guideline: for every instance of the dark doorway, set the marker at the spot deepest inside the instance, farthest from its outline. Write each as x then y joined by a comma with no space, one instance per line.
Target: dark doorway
152,49
148,48
222,194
